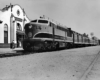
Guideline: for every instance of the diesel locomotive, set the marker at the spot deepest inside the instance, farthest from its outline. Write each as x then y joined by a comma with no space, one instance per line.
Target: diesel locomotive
43,34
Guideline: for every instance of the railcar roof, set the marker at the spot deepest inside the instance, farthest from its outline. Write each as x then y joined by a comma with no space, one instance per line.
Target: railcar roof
36,20
49,21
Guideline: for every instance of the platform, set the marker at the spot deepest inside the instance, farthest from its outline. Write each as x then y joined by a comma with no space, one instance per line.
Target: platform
9,50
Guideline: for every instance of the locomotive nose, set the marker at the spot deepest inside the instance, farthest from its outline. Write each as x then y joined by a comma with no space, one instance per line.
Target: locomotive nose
29,30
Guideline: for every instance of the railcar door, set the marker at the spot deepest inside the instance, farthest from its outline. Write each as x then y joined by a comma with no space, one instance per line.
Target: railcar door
53,31
73,37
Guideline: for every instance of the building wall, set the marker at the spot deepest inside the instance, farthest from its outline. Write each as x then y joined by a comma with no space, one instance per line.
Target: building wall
11,17
4,16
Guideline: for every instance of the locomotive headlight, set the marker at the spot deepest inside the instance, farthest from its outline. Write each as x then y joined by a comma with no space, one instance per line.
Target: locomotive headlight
30,26
30,34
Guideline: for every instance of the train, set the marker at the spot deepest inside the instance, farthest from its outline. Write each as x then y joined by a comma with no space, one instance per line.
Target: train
44,34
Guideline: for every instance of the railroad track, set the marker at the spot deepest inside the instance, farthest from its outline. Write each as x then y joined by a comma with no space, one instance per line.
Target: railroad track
84,76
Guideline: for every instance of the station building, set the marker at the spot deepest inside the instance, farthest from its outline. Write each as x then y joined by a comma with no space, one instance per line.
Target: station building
12,21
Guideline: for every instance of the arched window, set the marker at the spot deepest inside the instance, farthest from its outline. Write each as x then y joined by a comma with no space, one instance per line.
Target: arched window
19,28
5,33
5,27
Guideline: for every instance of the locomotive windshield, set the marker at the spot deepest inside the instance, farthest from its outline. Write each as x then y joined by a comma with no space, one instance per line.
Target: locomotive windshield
34,21
42,21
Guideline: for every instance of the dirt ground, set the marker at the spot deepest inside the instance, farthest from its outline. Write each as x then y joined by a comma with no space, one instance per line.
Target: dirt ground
68,64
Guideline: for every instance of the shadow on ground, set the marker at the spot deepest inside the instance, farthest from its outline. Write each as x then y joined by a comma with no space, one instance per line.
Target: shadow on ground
16,53
22,52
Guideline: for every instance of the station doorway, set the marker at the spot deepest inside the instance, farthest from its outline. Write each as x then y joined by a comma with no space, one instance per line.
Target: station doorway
19,37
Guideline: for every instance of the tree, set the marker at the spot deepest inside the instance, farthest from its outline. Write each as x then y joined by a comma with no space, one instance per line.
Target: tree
92,35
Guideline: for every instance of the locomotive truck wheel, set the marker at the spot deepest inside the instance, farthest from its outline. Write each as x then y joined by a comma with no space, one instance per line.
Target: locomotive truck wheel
54,46
50,47
57,46
47,46
36,47
39,47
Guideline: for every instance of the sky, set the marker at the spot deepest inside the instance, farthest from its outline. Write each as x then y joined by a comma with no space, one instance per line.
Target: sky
82,16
